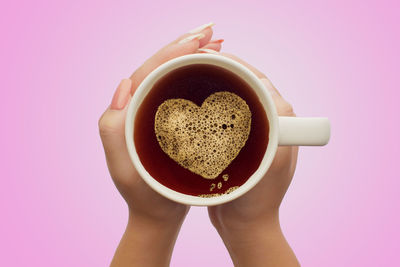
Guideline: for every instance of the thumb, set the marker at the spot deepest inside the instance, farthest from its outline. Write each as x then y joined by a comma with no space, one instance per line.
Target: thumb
112,132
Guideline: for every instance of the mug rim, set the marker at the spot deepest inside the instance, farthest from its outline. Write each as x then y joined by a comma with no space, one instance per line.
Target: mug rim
245,74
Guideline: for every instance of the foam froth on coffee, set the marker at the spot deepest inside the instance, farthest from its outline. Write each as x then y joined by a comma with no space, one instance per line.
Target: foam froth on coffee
206,139
230,190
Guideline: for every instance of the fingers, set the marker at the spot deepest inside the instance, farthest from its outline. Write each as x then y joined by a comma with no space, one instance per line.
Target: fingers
258,73
203,29
211,46
283,107
217,41
184,45
112,133
112,122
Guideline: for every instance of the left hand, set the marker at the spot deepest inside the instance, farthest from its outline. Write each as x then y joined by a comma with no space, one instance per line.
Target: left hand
142,201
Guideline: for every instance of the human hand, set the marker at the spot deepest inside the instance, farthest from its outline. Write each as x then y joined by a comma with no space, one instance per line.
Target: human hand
150,214
249,225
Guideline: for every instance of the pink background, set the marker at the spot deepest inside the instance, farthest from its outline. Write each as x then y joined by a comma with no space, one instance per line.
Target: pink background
61,61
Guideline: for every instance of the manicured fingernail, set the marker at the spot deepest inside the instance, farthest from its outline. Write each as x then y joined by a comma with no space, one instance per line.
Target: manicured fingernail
206,50
219,41
121,95
192,37
202,27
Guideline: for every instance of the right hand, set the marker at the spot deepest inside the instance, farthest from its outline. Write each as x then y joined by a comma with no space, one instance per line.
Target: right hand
249,225
263,201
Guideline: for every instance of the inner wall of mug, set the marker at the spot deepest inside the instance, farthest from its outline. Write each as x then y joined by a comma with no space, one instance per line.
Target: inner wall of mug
232,66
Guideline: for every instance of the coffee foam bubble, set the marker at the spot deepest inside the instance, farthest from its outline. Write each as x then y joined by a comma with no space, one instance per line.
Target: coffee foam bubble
203,139
230,190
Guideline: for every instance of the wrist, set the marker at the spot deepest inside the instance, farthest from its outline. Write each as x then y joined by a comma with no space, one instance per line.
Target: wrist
226,220
250,231
147,242
256,243
159,217
149,221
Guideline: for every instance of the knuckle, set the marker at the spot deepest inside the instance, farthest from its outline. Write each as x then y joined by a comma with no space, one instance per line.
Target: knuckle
286,109
106,125
289,109
100,121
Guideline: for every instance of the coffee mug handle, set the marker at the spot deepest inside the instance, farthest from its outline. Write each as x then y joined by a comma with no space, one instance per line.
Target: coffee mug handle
294,131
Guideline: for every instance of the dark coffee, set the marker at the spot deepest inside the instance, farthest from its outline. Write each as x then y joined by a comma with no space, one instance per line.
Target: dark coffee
196,83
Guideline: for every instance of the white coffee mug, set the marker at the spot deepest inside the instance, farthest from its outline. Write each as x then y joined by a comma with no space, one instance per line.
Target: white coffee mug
283,131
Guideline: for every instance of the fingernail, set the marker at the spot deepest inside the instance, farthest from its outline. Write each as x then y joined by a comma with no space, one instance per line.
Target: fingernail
121,95
219,41
206,50
202,27
192,37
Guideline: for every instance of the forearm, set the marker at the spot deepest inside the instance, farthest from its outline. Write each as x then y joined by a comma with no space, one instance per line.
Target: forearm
146,243
258,244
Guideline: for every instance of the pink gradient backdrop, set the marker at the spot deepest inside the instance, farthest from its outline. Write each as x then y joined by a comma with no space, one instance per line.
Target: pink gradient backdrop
61,61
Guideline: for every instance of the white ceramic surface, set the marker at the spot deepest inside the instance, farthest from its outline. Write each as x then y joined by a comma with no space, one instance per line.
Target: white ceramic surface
282,130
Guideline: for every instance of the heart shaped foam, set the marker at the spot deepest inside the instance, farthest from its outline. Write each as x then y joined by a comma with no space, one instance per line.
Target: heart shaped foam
206,139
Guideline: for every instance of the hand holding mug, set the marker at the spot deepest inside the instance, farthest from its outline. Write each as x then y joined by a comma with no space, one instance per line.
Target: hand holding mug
189,82
250,225
248,216
154,221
